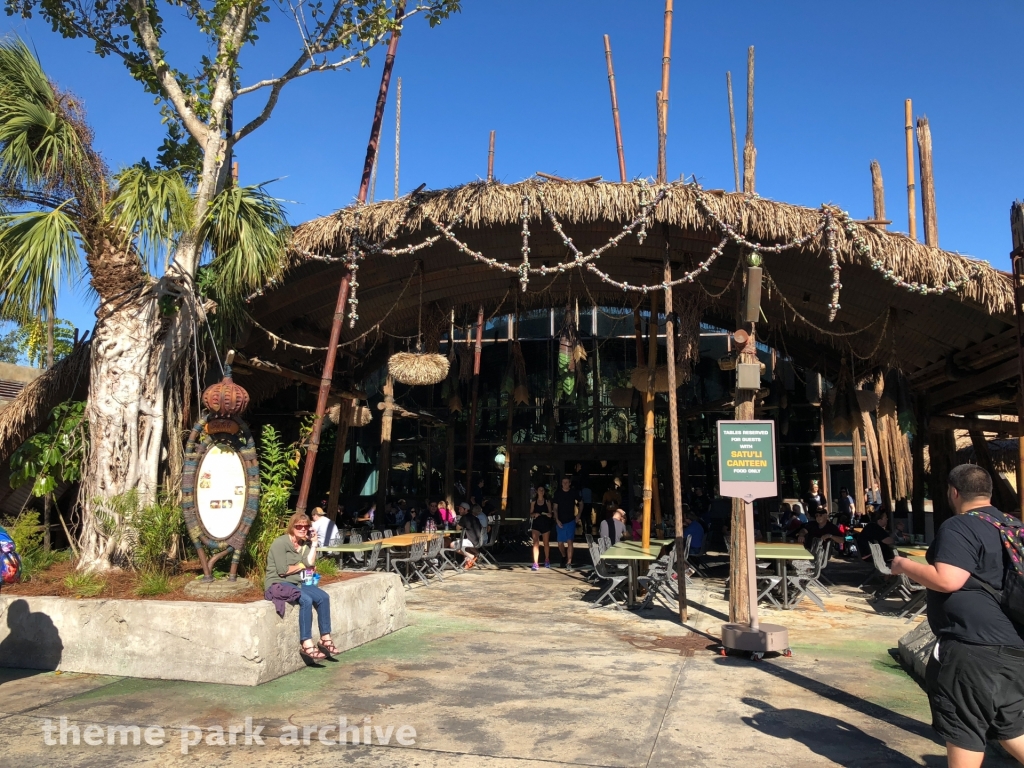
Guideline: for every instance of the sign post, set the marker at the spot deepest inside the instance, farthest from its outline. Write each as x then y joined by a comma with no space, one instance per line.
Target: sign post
746,470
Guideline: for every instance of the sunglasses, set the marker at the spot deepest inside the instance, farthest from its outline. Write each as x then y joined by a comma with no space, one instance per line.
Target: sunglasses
301,527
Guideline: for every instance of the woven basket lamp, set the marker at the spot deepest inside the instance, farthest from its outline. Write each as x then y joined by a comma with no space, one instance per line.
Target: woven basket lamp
226,401
420,369
640,376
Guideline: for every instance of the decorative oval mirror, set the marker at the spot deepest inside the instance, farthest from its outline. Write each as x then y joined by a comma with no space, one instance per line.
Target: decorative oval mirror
220,491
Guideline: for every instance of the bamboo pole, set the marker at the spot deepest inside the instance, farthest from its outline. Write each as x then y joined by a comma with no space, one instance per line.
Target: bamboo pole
660,108
490,159
673,430
449,465
732,130
309,462
666,67
471,429
398,132
373,181
1017,260
384,459
749,152
740,538
338,466
908,116
878,192
652,361
507,469
615,109
924,149
858,474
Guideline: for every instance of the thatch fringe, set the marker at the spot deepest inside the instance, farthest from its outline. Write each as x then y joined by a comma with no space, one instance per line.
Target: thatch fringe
29,411
488,204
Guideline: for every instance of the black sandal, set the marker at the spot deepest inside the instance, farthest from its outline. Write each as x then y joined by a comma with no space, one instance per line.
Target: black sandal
329,648
312,652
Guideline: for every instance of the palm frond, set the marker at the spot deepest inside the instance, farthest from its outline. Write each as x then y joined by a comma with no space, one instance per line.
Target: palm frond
38,251
247,232
155,206
44,141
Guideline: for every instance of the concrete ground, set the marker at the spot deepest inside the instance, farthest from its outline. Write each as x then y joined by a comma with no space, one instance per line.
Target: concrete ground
514,669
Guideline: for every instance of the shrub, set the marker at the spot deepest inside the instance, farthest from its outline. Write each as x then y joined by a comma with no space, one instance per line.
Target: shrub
147,533
326,566
278,467
28,539
153,583
84,584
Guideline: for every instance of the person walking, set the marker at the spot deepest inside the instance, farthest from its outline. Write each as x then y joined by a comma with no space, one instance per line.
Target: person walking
975,676
540,511
566,500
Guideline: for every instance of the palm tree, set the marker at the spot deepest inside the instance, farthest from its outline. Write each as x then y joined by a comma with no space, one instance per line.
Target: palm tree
62,204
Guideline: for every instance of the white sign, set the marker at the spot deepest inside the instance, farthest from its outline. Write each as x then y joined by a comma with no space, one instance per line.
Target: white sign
220,491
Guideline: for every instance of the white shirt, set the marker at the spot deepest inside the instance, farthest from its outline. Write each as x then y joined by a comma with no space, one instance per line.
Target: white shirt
324,526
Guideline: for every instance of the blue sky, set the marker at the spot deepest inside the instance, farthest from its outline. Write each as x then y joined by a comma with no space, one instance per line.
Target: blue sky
831,80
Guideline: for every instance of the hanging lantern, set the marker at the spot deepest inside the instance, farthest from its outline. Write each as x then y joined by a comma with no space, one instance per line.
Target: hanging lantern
419,369
225,401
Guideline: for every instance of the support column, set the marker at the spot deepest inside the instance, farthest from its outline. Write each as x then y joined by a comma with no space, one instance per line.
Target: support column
942,452
920,436
449,466
384,458
858,474
673,431
652,362
471,429
739,536
340,443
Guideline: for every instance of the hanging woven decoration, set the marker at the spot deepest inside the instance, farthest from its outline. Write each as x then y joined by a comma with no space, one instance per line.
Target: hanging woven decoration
419,368
361,416
225,401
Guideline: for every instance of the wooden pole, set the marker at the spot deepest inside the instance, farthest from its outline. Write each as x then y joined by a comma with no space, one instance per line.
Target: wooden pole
908,113
732,130
917,456
615,109
824,459
652,362
309,461
858,473
471,429
662,169
398,132
373,181
878,192
673,431
338,466
449,465
924,150
507,469
666,67
1017,259
384,459
739,532
749,153
490,159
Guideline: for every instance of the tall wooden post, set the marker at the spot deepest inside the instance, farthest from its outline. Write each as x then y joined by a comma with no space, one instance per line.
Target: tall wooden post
1017,258
878,192
749,152
673,431
340,443
615,109
908,116
398,133
942,452
507,469
858,474
662,161
384,459
449,465
917,455
823,487
652,363
924,148
471,429
732,130
309,462
666,66
490,159
739,538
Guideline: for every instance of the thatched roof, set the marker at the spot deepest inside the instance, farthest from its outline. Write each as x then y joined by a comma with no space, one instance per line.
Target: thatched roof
877,320
29,411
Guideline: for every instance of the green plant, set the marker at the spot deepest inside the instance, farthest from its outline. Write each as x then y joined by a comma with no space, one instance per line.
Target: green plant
56,454
158,527
152,583
326,566
28,540
278,467
84,584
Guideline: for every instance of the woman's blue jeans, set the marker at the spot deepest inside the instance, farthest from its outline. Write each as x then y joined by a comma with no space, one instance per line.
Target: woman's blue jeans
313,596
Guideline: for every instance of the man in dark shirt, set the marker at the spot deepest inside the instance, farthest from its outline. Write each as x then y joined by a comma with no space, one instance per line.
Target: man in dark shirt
875,532
822,528
565,500
975,676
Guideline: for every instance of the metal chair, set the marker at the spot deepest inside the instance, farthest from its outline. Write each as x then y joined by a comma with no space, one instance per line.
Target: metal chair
388,533
660,583
432,560
614,579
801,583
412,563
454,558
490,539
375,535
890,584
371,560
356,538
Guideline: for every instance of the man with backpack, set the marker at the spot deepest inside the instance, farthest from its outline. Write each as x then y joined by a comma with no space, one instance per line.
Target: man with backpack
975,676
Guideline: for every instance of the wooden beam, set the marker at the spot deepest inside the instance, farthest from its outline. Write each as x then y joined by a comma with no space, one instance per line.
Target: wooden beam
908,117
1000,373
256,364
732,130
749,152
974,424
924,150
878,194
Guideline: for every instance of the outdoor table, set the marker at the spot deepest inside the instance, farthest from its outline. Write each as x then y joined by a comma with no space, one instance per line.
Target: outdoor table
402,541
341,549
781,553
913,553
633,553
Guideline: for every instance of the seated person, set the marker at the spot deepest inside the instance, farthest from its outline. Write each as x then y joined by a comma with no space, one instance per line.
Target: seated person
900,536
482,517
875,533
290,564
326,530
695,531
471,538
822,528
614,528
368,515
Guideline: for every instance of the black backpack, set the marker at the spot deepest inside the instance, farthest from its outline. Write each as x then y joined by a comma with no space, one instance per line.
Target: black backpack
1011,596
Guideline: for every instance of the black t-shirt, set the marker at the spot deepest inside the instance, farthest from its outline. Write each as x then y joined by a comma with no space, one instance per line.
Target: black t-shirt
874,532
815,531
971,614
566,503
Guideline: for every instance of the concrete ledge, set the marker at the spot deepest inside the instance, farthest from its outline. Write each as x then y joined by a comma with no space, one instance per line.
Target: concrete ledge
915,648
234,643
